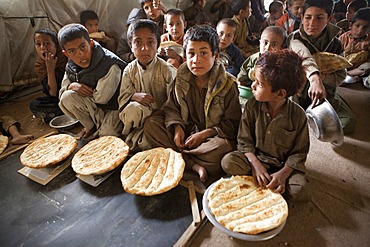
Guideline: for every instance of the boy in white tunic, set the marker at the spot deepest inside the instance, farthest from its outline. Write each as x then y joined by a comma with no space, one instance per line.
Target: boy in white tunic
145,82
91,83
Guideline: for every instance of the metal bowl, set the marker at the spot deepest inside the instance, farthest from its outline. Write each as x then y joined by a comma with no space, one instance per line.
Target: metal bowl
63,121
324,123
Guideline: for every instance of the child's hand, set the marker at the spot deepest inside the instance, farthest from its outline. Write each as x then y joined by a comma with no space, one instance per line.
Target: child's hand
50,61
316,91
194,140
161,52
172,54
260,174
278,181
143,98
179,137
81,89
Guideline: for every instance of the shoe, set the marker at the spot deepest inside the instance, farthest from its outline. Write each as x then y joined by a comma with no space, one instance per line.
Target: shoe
366,82
350,79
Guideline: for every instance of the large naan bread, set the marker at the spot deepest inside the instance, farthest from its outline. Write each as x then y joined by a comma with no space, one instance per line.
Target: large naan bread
4,140
242,207
100,156
152,172
48,151
330,62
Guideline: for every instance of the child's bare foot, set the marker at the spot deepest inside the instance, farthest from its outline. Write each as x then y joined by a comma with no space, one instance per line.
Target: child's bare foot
201,171
81,134
22,139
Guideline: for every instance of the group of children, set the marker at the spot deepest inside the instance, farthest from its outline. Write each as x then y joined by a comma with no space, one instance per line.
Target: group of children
192,105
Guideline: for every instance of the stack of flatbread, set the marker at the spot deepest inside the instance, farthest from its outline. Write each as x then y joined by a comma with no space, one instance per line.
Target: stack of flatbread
330,62
152,172
48,151
240,206
100,156
4,140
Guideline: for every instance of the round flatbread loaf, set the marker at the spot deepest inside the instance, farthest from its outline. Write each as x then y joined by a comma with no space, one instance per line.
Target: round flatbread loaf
48,151
4,140
152,172
240,206
100,156
330,62
97,35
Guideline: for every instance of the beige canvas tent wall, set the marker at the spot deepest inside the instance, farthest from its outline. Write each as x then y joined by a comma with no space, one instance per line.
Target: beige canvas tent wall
20,18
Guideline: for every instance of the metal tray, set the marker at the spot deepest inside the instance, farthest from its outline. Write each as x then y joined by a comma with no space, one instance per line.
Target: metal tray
247,237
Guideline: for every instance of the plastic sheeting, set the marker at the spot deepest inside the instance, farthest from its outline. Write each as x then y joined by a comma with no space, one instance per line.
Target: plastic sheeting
21,18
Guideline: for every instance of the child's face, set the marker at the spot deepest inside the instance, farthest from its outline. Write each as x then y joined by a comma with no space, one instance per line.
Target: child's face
144,45
175,26
360,28
270,41
92,26
261,88
202,3
226,35
199,58
79,51
314,21
296,9
151,12
350,13
44,44
279,13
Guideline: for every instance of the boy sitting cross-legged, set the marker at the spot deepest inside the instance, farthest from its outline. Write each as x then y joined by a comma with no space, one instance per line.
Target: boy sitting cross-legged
200,119
145,82
272,38
273,138
175,25
91,83
317,34
226,29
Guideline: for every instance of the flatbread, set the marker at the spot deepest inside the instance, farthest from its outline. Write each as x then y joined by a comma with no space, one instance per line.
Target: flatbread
97,35
166,44
330,62
358,57
48,151
152,172
100,156
4,140
239,205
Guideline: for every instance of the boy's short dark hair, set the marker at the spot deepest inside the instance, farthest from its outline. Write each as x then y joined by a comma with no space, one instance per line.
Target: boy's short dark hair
71,32
275,6
174,12
238,5
88,15
141,2
51,33
204,33
327,5
357,4
143,23
228,21
361,14
283,69
278,31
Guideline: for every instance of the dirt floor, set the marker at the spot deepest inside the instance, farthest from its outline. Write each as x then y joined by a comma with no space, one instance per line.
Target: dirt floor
338,213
